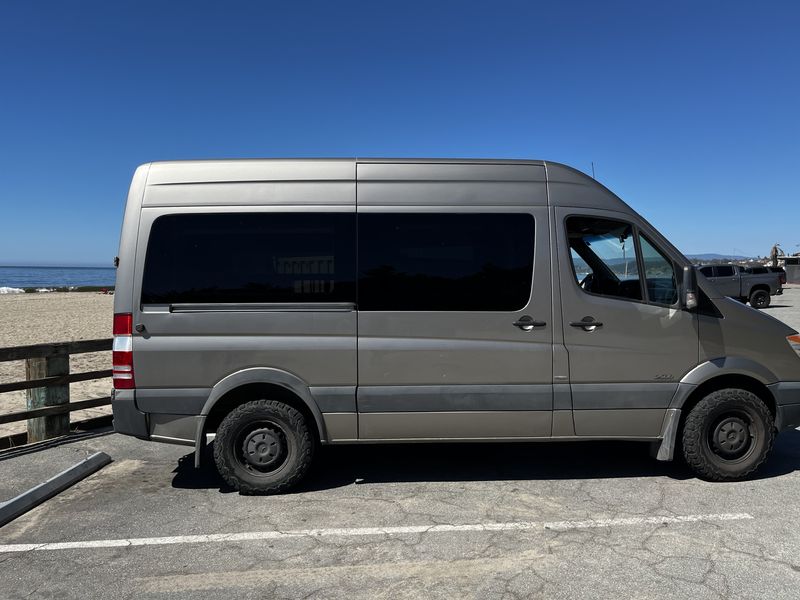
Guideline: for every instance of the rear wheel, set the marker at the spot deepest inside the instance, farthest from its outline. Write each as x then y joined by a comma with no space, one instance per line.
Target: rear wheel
728,435
263,447
759,299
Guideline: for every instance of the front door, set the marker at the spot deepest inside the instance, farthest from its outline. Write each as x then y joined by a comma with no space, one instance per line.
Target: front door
629,342
454,322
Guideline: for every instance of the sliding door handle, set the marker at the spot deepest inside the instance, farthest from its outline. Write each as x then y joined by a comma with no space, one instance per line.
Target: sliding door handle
526,323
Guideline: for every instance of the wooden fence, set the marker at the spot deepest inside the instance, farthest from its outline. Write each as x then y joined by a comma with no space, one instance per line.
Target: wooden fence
47,385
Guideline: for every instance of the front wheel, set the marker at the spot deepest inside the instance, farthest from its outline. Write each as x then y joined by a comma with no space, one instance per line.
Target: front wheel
263,447
759,299
728,435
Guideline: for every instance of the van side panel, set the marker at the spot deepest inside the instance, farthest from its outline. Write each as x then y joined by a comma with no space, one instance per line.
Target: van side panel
200,349
185,350
456,374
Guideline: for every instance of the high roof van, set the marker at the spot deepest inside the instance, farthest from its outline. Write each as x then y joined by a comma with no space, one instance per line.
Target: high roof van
274,306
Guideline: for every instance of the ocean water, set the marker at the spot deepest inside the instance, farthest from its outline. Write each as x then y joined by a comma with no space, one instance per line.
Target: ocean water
14,279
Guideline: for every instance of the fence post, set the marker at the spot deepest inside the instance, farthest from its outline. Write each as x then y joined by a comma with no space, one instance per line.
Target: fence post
43,428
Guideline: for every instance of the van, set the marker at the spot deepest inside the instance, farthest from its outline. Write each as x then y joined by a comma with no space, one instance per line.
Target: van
274,306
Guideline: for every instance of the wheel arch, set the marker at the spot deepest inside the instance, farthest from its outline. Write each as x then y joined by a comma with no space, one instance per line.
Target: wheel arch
733,371
728,380
249,384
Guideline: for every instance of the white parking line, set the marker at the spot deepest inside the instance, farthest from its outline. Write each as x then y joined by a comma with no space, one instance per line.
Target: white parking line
369,531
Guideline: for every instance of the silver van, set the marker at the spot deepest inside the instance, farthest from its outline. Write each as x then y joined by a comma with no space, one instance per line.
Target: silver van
276,305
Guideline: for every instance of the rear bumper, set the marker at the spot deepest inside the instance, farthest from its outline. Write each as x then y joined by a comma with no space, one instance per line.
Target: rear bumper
787,401
158,427
128,420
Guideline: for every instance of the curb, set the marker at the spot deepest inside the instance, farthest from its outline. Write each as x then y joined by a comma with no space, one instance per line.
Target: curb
44,491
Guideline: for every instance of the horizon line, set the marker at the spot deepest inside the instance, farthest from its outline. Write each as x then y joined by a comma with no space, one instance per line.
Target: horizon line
50,266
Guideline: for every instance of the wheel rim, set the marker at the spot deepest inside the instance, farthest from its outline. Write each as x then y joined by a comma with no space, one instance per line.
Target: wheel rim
731,437
262,448
760,300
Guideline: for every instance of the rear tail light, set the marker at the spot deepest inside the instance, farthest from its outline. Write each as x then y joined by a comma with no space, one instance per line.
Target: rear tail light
794,342
122,352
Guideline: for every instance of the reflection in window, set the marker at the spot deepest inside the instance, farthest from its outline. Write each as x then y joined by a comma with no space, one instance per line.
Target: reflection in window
607,248
659,273
251,258
444,262
582,269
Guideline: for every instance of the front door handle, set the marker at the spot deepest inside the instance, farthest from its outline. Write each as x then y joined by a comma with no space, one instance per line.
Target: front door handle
586,323
527,323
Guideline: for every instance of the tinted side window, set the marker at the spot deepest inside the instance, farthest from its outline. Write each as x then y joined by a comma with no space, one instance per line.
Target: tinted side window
707,271
608,249
659,274
724,271
444,262
250,258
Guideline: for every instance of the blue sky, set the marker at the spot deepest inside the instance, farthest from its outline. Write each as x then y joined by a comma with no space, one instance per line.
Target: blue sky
689,110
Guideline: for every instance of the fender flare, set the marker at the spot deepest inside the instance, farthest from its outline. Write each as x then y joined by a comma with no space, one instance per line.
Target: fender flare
729,365
257,375
718,367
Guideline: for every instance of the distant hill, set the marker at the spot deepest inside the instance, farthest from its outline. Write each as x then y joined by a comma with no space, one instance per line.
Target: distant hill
712,256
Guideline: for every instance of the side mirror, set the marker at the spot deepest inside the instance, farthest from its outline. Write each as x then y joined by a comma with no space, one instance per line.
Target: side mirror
689,290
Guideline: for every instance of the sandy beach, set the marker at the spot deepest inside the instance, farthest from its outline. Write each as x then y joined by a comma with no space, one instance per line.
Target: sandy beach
55,317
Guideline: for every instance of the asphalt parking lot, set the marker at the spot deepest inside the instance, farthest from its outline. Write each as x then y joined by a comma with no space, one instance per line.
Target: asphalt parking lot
577,520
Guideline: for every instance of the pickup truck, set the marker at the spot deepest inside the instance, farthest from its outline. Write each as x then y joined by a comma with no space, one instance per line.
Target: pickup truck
744,284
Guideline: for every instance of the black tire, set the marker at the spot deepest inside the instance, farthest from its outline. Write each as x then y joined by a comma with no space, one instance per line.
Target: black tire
760,299
263,447
728,435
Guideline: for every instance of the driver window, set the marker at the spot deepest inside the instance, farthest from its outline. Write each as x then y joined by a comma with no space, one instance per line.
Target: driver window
659,274
604,257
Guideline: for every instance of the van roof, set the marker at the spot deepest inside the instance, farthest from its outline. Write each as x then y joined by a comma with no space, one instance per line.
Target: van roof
362,159
558,184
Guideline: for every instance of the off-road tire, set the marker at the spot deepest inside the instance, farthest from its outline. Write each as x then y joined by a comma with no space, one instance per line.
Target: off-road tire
760,299
245,428
708,419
